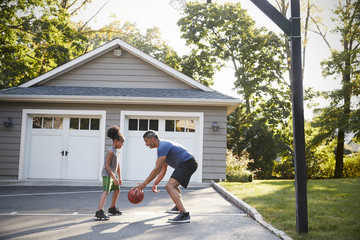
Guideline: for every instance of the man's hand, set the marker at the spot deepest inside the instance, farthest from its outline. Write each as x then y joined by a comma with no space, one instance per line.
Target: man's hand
141,186
154,188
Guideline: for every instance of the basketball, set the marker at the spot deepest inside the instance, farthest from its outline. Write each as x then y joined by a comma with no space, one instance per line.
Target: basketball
135,196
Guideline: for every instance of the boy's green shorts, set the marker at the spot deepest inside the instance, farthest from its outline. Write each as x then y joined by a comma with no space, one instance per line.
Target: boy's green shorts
108,184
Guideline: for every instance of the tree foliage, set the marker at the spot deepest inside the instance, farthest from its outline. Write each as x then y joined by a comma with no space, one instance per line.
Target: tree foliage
37,36
342,114
226,34
150,42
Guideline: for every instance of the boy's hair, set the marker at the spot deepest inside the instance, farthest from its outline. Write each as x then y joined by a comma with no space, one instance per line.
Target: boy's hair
151,134
114,133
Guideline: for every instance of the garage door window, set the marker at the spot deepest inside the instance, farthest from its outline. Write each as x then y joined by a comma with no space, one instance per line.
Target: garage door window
84,123
180,125
47,122
143,124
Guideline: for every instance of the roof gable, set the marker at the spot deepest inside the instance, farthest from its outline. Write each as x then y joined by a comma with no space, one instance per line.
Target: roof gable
109,70
116,43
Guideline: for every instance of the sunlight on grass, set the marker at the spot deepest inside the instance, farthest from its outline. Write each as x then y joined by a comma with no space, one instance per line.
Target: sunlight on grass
333,206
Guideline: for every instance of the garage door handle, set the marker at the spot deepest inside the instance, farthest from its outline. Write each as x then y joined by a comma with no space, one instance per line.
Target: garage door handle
62,153
66,153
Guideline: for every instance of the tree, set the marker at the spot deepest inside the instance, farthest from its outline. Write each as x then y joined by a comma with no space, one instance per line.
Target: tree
37,36
227,34
150,43
342,115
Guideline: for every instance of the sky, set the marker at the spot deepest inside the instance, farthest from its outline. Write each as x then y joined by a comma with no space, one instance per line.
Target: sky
164,15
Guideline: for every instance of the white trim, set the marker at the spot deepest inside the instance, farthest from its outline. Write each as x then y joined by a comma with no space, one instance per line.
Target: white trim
105,48
199,115
25,135
231,104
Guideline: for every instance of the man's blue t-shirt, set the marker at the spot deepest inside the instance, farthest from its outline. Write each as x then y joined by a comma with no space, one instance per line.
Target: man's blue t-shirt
174,152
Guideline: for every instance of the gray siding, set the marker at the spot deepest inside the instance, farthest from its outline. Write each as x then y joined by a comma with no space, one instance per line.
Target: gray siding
214,147
10,141
126,71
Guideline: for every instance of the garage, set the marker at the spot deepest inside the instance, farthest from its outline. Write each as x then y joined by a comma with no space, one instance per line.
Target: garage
137,160
39,140
63,146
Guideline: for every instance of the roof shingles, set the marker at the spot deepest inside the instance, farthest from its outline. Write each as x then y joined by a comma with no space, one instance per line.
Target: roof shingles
115,92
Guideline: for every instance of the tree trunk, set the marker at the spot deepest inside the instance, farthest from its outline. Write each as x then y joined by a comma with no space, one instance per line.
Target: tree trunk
339,155
347,92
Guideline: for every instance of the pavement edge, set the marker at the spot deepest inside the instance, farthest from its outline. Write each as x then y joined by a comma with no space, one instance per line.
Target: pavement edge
249,210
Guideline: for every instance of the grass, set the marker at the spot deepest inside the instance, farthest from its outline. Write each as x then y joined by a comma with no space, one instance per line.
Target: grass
333,206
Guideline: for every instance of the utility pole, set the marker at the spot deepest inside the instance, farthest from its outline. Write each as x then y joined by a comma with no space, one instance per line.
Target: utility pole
292,28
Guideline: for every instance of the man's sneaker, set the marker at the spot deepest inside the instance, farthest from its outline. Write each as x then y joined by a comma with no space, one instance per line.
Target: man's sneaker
101,215
173,210
183,217
114,211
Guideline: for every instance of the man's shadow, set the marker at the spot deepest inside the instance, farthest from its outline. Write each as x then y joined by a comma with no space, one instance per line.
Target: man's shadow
132,229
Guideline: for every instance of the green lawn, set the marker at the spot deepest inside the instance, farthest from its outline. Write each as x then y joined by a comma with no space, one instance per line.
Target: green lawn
333,206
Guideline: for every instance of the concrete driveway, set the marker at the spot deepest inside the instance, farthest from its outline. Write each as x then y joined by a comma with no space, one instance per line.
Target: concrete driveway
67,212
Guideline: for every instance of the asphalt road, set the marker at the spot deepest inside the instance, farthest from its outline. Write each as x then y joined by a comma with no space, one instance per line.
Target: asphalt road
60,212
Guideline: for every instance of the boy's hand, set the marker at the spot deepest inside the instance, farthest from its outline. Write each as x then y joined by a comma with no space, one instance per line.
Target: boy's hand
116,181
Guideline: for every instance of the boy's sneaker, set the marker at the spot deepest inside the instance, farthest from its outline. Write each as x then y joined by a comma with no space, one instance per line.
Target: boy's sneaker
101,215
173,210
114,211
183,217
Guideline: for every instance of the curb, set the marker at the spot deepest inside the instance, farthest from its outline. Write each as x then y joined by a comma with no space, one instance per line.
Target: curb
249,210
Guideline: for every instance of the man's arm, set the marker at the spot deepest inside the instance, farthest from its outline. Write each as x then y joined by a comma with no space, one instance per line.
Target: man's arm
158,166
159,178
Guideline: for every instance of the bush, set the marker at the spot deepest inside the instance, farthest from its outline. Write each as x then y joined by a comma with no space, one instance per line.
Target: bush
240,176
237,168
352,165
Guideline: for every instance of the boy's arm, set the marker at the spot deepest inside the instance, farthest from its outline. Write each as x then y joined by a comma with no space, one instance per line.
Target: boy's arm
107,167
118,172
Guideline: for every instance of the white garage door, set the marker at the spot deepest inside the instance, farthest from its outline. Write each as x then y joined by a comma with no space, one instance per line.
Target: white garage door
139,160
64,147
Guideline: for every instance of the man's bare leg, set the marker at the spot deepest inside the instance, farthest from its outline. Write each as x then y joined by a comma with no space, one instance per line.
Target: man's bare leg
172,187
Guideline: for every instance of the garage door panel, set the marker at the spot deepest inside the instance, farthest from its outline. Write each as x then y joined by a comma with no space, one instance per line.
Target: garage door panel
139,159
45,157
63,147
81,164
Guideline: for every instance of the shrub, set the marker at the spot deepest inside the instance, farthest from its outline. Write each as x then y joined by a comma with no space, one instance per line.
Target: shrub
352,165
237,168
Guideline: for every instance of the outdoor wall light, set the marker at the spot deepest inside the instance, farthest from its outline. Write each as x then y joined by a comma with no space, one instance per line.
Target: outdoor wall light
8,122
215,126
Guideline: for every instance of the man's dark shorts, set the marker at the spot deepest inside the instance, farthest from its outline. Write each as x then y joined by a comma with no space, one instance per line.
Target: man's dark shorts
183,172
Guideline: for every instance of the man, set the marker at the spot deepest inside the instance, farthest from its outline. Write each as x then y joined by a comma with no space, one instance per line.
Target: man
177,157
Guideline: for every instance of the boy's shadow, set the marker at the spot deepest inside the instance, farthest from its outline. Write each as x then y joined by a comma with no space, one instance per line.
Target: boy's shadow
44,229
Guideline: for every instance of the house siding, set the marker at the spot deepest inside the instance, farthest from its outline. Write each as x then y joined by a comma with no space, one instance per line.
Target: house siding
126,71
10,141
214,143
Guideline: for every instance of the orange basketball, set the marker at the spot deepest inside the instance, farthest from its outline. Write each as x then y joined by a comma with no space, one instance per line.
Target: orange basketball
135,196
